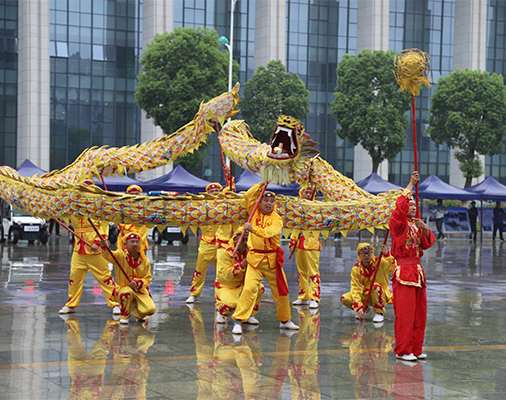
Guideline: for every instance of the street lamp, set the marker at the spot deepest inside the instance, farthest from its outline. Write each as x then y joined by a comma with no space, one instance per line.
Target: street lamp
228,44
230,48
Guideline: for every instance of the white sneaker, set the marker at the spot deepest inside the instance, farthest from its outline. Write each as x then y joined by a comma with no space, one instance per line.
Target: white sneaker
67,310
300,302
252,320
220,319
116,310
406,357
124,321
422,356
378,318
191,299
237,330
314,304
288,325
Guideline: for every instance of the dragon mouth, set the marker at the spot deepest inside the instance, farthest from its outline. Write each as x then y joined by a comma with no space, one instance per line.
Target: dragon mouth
284,144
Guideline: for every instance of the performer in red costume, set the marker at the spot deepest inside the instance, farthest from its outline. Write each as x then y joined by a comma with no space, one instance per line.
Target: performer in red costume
410,236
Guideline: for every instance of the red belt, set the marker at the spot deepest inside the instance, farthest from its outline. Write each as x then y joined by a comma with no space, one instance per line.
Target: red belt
408,260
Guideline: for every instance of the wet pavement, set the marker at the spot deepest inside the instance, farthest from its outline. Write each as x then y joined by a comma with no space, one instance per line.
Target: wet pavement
182,355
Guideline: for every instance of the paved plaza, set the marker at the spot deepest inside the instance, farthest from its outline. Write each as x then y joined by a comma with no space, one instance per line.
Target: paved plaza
182,353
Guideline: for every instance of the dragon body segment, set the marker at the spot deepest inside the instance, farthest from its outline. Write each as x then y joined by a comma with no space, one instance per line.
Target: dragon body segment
62,201
159,151
58,194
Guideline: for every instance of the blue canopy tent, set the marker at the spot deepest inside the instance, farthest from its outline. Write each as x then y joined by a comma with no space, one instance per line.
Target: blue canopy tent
434,188
375,184
117,183
178,180
246,179
489,189
27,168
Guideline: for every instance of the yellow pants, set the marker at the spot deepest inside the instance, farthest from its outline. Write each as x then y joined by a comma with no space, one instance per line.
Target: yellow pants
249,294
308,267
207,255
378,299
141,305
227,298
79,267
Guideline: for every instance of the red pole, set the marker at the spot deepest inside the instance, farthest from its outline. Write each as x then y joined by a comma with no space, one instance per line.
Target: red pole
375,272
227,178
415,144
110,251
250,218
73,233
103,182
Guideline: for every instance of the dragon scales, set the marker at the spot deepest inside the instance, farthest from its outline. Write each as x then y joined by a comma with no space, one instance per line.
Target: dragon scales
59,194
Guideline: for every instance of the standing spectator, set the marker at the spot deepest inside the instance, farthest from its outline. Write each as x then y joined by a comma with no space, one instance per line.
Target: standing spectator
440,217
473,215
498,220
56,225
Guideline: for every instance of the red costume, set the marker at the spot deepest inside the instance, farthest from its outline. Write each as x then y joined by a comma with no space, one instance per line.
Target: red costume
408,281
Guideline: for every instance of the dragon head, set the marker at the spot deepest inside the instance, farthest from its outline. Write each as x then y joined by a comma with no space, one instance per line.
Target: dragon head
285,140
290,145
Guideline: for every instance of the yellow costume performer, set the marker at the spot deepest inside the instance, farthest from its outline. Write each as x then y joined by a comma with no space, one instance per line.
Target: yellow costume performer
361,276
126,229
307,254
208,247
230,281
133,292
84,259
265,259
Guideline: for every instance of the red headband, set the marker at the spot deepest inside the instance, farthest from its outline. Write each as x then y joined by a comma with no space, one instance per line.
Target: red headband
132,236
212,186
269,194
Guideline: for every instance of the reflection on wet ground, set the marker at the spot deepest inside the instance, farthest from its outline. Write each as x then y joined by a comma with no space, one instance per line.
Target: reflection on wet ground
183,354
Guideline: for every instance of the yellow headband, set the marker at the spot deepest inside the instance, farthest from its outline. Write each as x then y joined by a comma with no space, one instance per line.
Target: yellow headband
134,188
214,185
362,246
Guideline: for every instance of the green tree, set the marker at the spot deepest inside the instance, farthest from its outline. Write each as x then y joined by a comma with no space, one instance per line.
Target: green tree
270,92
368,106
468,112
180,70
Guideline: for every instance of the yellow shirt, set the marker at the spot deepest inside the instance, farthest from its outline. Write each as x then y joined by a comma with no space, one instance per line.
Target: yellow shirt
224,232
361,281
138,270
266,234
310,241
230,271
84,229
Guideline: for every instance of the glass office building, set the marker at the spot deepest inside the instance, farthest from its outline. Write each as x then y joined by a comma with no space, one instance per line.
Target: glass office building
94,47
8,80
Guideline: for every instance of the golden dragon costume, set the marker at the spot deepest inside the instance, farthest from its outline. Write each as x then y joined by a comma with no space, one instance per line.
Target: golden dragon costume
58,194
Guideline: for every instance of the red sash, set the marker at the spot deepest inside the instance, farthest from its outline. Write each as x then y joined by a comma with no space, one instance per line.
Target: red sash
280,279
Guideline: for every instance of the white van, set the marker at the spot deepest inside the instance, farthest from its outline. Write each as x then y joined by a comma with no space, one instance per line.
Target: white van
20,226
